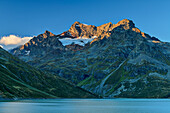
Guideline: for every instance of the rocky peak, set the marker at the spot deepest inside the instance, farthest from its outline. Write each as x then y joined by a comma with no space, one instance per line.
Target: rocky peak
126,24
105,27
41,41
47,33
82,30
76,22
107,24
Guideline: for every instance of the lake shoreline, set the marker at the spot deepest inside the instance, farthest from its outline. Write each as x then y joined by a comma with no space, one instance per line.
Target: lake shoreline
116,105
22,99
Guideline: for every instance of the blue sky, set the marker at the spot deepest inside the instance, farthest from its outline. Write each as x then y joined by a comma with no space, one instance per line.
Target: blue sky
32,17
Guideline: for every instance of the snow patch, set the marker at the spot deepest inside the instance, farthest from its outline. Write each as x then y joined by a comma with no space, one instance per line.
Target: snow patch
94,36
80,41
77,25
27,52
85,24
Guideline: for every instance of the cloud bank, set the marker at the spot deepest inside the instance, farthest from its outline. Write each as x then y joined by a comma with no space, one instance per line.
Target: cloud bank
14,40
1,46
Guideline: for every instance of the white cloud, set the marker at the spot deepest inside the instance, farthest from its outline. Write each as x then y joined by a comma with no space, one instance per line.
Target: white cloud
14,40
1,46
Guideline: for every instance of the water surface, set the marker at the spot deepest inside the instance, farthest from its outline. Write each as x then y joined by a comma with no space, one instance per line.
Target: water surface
87,106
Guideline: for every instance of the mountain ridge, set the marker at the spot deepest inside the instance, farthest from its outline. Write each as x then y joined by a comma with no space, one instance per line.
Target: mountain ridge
87,31
144,73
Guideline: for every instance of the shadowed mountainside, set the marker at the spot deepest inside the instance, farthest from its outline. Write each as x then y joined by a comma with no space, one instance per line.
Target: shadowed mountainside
20,80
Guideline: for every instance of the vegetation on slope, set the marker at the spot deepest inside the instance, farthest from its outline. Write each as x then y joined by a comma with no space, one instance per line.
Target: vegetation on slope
20,80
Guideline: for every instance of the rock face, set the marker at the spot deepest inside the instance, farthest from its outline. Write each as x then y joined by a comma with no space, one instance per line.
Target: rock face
120,61
20,80
89,31
38,46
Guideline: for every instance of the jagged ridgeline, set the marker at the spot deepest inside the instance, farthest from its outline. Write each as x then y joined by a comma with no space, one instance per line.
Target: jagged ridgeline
20,80
111,60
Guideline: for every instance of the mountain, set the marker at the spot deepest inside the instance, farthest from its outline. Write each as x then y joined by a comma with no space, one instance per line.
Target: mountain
20,80
111,60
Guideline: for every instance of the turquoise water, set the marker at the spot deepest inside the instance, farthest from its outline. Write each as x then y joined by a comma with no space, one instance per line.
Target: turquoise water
87,106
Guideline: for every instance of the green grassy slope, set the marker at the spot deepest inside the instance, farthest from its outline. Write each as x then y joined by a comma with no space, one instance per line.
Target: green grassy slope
20,80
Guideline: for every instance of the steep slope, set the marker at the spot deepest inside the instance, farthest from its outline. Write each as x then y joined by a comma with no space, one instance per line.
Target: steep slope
19,80
145,70
121,61
39,46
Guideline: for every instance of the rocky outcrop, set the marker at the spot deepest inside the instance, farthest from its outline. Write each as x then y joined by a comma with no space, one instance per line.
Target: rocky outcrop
38,46
74,47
